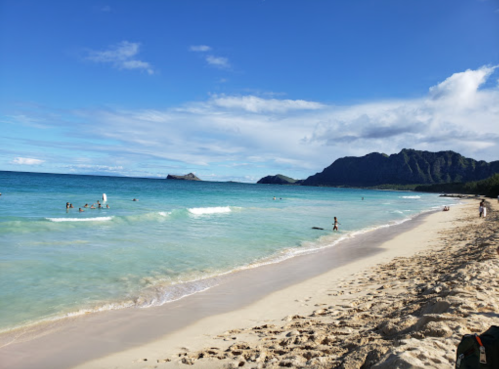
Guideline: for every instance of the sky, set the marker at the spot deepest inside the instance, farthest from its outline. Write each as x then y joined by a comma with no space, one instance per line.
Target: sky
235,90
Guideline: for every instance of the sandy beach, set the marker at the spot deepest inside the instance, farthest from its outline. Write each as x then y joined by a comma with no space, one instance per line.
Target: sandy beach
396,297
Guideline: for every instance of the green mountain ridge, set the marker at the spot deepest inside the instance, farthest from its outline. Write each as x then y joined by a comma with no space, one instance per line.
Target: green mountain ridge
443,171
409,167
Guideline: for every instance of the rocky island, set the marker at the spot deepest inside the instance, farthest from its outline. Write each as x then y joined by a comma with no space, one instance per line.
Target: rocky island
279,179
187,177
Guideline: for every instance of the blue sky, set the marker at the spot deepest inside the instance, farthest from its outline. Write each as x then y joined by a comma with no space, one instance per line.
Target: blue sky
240,89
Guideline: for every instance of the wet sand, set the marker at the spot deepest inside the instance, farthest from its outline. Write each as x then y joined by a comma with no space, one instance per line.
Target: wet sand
229,312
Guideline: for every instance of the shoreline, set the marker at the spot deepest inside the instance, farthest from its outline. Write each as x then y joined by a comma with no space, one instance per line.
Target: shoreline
104,333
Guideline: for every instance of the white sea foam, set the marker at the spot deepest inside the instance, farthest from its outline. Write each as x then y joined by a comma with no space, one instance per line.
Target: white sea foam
410,197
164,213
99,219
213,210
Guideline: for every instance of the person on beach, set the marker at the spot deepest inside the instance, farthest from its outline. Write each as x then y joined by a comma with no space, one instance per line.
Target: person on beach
336,223
482,210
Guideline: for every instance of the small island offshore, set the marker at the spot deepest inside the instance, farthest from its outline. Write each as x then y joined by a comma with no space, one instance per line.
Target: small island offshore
187,177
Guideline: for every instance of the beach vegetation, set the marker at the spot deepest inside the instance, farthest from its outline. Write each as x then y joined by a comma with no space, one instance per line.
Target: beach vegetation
487,187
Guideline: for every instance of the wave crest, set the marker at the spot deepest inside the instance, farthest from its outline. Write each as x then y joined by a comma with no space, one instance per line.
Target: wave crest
212,210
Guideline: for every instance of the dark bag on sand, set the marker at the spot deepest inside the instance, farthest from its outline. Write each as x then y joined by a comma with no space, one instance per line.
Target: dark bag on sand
479,351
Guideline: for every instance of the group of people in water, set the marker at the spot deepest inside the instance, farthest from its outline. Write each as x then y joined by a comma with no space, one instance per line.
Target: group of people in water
99,206
93,206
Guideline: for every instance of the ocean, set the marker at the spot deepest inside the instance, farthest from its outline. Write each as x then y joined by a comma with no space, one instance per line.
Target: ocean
174,241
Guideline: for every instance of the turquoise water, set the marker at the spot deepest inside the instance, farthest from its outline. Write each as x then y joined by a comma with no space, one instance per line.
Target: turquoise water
169,244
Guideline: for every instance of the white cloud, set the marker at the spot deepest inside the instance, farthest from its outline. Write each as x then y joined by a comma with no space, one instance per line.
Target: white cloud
200,48
257,104
461,87
121,56
215,61
218,61
27,161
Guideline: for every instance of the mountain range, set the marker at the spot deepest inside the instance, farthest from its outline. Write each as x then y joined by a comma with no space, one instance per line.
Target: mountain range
407,168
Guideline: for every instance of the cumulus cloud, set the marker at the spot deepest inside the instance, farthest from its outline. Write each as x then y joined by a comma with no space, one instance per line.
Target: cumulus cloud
461,87
121,56
27,161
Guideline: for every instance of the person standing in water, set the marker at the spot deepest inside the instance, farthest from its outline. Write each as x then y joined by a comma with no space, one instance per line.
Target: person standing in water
336,223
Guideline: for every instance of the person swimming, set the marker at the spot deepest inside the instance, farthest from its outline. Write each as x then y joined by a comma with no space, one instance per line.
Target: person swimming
81,210
92,207
86,206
